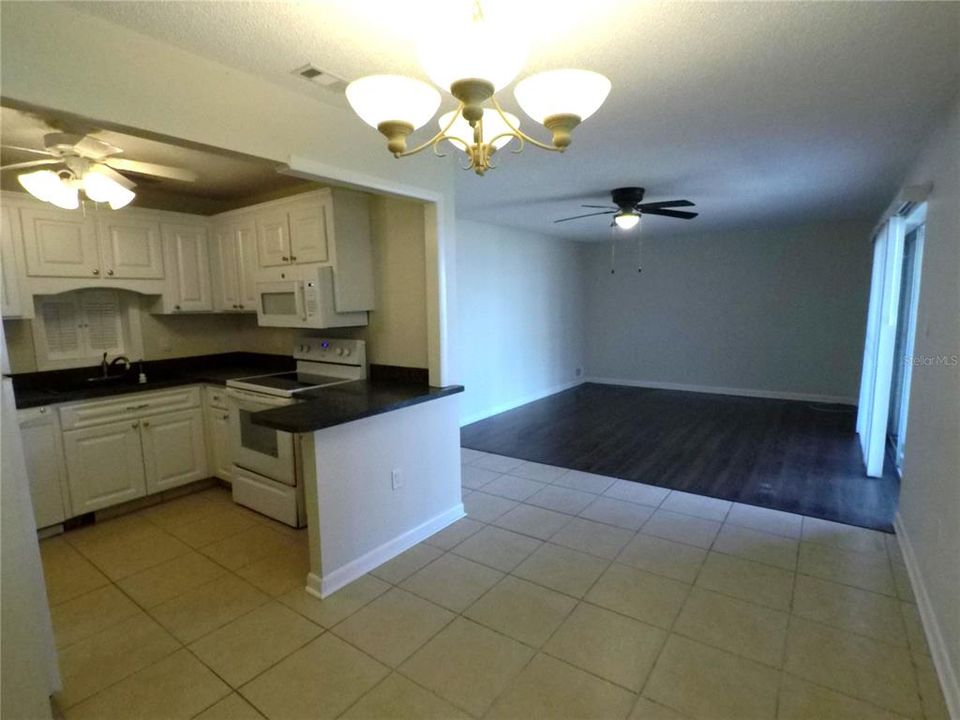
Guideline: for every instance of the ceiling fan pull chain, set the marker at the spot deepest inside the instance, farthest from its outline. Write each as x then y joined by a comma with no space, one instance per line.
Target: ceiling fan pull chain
639,253
613,249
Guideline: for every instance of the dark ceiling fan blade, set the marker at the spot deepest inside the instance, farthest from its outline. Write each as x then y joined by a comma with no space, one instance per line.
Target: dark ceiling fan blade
29,150
32,163
672,213
577,217
602,207
664,204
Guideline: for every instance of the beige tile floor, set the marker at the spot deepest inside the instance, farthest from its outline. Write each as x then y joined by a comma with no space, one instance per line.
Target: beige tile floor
561,594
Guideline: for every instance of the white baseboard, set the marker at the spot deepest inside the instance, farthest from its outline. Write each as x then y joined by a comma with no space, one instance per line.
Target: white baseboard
714,390
510,405
931,628
321,587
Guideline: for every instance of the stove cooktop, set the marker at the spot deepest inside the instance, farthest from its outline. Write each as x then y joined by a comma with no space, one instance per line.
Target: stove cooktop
286,384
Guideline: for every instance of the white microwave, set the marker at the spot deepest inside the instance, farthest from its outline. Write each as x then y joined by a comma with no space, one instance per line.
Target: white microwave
303,302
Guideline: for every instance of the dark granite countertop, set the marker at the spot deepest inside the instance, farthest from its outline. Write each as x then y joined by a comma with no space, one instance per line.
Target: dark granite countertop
60,386
339,404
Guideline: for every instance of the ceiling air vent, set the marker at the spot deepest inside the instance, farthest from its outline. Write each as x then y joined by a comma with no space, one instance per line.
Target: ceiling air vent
322,78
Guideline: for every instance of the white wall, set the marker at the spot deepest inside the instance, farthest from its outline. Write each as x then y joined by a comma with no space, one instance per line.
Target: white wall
519,304
929,522
777,312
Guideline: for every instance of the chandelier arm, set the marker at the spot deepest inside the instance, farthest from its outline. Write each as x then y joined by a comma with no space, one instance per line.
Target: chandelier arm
453,139
442,135
517,132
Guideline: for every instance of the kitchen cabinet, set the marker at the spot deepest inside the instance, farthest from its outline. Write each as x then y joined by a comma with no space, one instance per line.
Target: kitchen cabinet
234,265
187,258
59,243
218,434
130,246
11,302
43,452
174,452
295,233
104,465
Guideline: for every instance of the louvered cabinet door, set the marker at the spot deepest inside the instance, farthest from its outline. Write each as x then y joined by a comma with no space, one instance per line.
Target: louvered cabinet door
102,323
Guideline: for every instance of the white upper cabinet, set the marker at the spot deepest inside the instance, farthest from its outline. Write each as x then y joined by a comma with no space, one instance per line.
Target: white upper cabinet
273,238
60,243
187,254
130,246
308,232
11,301
234,266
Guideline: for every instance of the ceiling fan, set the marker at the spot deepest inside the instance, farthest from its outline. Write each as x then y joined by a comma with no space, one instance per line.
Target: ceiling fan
88,164
629,206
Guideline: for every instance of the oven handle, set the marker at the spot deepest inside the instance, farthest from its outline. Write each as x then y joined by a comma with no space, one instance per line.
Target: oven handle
301,301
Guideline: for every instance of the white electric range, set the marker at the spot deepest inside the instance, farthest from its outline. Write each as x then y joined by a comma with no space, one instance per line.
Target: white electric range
267,467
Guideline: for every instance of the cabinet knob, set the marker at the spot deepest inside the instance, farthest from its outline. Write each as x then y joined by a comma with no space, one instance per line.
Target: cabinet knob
109,272
285,258
240,306
176,307
226,417
293,258
146,424
42,410
234,306
134,425
96,271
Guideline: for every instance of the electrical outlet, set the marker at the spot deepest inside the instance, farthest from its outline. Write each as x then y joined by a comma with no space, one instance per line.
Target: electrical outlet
396,481
578,372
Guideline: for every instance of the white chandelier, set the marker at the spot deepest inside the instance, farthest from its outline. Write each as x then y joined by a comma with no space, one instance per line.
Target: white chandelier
461,60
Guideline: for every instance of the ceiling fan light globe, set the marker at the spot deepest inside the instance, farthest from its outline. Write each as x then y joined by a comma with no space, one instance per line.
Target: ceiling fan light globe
493,125
121,198
98,187
42,184
626,221
562,92
379,99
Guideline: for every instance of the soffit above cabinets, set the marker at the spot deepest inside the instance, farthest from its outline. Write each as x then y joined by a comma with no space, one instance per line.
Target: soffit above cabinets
225,181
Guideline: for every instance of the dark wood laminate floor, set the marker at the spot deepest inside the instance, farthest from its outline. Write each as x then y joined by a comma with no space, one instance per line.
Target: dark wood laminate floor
795,456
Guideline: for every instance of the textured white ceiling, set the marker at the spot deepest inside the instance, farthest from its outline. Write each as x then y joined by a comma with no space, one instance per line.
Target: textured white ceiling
760,113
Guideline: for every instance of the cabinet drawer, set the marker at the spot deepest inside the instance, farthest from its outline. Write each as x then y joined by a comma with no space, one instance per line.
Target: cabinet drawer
217,398
125,407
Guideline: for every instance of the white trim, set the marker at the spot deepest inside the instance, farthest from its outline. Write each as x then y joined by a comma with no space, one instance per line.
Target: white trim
931,628
325,586
713,390
511,404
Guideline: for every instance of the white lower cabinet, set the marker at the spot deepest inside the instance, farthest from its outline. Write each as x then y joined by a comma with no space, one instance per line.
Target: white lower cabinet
104,465
221,465
43,452
173,449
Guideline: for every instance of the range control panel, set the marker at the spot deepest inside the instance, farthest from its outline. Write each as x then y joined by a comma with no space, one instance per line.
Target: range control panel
331,350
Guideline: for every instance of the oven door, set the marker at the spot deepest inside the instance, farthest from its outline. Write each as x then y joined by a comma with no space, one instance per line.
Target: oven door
254,447
281,304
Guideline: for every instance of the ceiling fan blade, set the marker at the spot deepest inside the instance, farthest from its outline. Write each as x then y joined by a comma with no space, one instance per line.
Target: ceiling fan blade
664,204
29,150
31,163
145,168
602,207
672,213
577,217
115,176
94,148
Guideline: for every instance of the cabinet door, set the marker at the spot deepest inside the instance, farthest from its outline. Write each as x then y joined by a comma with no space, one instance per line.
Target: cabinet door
104,465
43,453
130,247
59,243
189,255
219,439
273,238
247,265
226,285
174,452
10,301
308,232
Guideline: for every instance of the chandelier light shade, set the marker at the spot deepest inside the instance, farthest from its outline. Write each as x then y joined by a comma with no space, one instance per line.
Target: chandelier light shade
473,60
562,92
